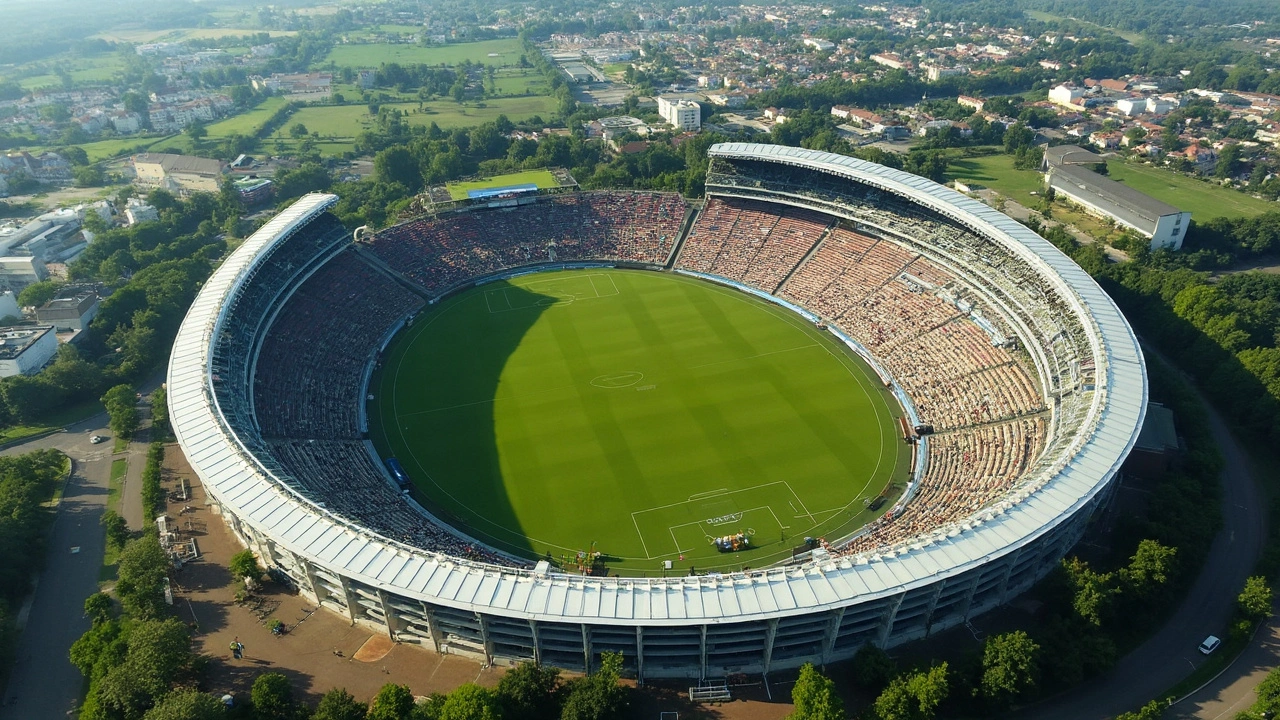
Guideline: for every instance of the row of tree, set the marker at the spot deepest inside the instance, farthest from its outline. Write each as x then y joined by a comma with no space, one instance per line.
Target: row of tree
26,483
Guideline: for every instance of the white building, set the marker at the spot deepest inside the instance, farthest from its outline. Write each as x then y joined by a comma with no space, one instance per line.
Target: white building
24,350
1066,95
935,73
17,272
820,44
683,114
1068,173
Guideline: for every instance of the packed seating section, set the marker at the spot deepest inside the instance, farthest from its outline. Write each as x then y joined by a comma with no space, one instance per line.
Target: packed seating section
313,357
442,252
751,242
915,315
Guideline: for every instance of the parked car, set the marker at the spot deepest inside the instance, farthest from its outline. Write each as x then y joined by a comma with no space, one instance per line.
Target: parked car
95,439
1210,644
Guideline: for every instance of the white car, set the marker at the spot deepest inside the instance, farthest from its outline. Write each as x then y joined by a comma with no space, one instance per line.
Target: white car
95,439
1210,644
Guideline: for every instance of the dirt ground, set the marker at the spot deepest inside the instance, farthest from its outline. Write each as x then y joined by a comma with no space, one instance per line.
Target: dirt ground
323,650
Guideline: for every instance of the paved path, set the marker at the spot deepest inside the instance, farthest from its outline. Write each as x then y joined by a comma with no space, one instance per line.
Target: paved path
44,683
1233,691
1169,655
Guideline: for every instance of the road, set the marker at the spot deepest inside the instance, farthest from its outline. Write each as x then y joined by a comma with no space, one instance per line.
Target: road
44,683
1233,691
1169,655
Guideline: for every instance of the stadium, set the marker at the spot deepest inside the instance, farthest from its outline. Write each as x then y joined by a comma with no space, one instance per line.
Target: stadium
998,387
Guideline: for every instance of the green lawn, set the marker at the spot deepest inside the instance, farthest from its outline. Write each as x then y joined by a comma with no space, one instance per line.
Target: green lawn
639,413
66,416
997,172
105,149
336,122
541,178
98,68
1205,200
504,52
247,123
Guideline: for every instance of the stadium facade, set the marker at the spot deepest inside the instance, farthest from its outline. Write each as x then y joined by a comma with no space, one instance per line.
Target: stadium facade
1089,375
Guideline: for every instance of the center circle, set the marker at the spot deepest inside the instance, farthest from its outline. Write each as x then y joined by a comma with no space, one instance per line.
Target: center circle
616,419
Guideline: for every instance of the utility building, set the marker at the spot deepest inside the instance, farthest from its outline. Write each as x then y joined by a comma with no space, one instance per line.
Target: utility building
1069,173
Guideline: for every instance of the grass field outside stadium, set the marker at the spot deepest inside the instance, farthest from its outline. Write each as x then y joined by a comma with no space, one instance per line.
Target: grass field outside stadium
541,178
636,414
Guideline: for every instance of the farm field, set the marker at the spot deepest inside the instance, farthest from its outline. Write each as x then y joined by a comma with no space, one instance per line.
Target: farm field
640,415
1205,200
372,55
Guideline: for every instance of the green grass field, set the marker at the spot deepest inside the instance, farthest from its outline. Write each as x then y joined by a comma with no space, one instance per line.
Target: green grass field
1205,200
646,413
997,172
247,123
370,55
348,121
541,178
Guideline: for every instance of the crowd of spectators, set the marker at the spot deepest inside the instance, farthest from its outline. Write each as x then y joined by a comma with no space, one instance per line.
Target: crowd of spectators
751,242
313,357
343,476
968,470
440,253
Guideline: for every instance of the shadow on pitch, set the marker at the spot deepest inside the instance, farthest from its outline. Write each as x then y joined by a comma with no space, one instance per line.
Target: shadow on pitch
452,442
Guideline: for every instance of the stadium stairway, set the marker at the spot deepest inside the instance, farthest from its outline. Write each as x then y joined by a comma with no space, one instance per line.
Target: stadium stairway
381,266
690,216
796,268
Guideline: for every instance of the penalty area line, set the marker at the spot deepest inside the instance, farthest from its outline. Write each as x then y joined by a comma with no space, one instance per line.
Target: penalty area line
708,493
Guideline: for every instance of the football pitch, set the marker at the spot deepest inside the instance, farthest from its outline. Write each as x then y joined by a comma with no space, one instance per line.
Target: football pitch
636,414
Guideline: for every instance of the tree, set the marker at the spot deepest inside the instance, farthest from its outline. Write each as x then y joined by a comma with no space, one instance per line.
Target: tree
914,696
393,702
196,131
273,698
529,691
338,704
471,702
88,176
297,131
117,529
1255,599
244,565
159,652
97,607
1269,693
140,577
397,165
120,404
814,696
1151,711
187,704
872,668
597,696
1009,666
1228,161
37,294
